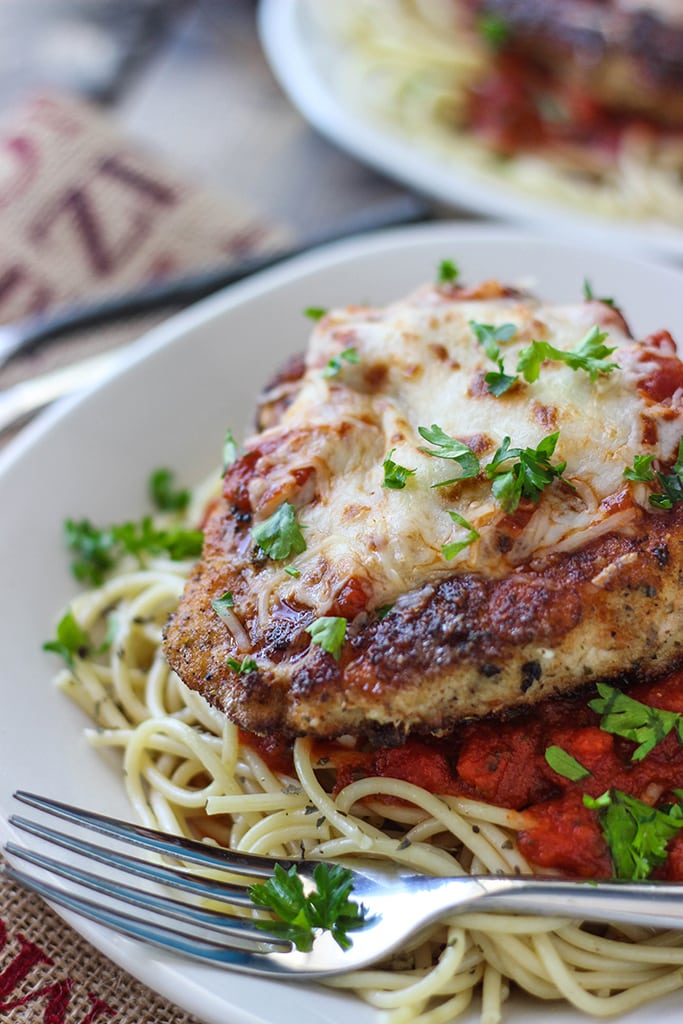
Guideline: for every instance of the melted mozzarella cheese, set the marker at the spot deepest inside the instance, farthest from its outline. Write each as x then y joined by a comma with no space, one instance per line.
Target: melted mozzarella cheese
419,364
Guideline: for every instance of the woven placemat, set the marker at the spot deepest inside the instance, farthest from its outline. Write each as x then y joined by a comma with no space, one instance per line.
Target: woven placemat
84,213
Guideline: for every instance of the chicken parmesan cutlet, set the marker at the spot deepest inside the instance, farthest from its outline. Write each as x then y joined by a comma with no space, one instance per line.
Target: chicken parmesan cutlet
454,506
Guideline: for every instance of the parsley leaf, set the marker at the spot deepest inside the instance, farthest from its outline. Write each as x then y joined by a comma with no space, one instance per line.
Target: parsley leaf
163,494
589,295
455,547
446,447
327,907
671,484
230,450
395,475
589,355
93,549
329,632
70,639
636,834
334,365
99,550
96,550
488,337
448,272
498,382
528,477
280,535
223,604
144,538
244,667
315,312
564,764
494,30
629,718
383,610
641,469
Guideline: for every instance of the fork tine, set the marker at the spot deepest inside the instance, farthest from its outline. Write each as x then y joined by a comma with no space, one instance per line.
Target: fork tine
226,924
150,839
218,952
165,874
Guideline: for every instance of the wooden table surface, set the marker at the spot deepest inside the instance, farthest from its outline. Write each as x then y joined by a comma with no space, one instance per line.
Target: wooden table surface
210,101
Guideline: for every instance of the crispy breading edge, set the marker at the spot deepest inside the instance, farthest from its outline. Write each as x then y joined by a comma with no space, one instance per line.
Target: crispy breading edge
465,648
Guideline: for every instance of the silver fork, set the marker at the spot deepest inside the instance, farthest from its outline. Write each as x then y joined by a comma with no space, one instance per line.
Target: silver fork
398,903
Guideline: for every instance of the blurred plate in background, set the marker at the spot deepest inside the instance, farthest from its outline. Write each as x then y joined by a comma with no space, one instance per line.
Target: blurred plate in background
319,72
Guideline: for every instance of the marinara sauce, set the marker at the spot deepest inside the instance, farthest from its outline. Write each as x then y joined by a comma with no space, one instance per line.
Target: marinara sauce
504,763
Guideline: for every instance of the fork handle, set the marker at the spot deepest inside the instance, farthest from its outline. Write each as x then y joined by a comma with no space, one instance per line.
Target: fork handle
652,904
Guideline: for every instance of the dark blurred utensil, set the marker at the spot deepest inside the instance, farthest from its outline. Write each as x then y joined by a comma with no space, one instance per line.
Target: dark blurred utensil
25,335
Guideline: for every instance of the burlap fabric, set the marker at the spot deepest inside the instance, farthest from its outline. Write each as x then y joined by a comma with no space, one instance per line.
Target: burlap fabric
83,212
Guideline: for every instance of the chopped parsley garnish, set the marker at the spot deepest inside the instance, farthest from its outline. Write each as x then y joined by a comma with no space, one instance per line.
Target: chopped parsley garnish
334,365
629,718
671,484
383,610
498,382
230,450
98,550
280,535
446,447
291,571
589,295
494,30
448,272
244,667
315,312
223,604
589,355
641,470
636,834
162,492
451,550
70,639
530,474
326,908
564,764
144,538
489,338
395,475
93,549
328,632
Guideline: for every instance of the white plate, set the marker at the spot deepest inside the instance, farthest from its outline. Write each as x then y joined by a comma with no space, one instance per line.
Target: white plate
307,67
187,381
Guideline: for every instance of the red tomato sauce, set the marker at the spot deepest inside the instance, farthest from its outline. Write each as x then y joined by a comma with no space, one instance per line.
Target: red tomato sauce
504,763
519,107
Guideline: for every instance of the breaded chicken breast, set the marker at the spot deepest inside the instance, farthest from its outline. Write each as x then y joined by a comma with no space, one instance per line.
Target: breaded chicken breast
455,506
